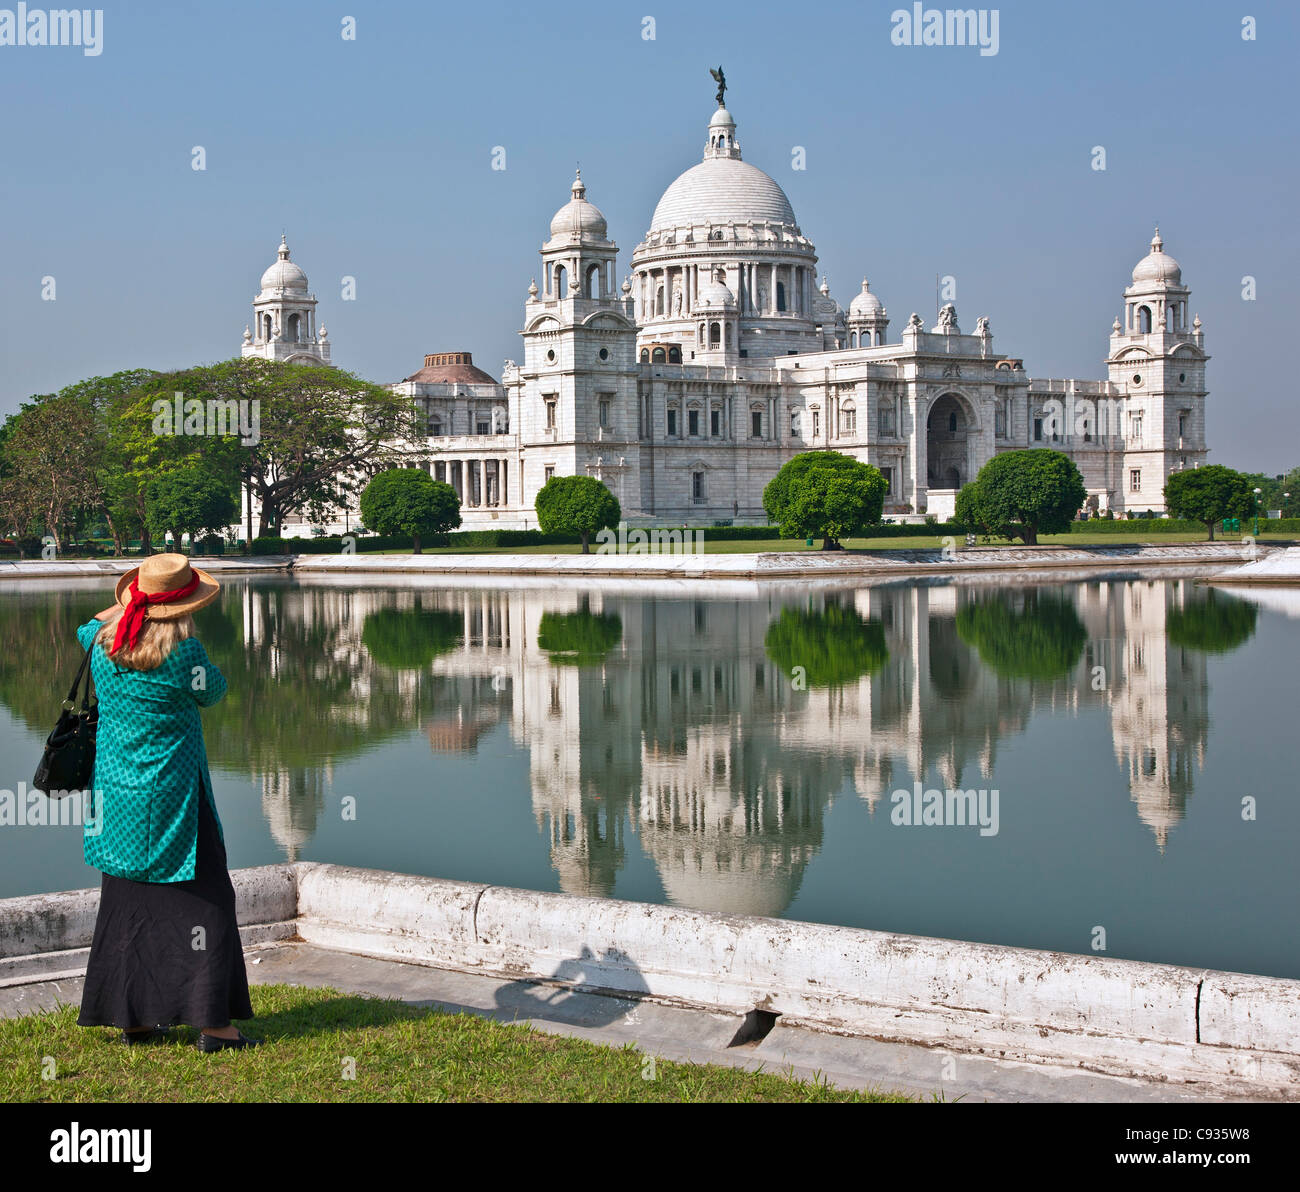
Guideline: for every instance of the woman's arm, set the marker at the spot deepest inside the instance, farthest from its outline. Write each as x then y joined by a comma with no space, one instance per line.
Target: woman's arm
207,683
107,614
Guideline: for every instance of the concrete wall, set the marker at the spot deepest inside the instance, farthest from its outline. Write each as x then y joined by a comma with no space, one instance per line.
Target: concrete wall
43,936
1118,1017
1115,1016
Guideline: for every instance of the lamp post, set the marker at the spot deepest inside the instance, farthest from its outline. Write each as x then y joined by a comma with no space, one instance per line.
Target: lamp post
1257,492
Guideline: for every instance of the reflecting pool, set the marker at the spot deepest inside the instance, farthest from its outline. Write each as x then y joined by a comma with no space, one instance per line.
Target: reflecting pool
1043,764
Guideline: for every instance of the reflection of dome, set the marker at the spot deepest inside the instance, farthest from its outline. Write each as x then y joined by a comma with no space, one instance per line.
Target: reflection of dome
1158,265
578,217
734,892
284,274
459,733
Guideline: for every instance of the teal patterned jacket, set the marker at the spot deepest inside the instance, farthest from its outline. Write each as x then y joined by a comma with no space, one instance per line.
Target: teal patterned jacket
151,767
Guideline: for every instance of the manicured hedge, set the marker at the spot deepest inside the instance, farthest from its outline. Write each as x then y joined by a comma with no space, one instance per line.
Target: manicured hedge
1173,525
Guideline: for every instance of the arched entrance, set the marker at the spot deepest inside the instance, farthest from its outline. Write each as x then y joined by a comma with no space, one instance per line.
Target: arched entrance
947,431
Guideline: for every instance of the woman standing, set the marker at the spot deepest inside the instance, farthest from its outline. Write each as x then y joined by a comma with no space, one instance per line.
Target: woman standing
166,948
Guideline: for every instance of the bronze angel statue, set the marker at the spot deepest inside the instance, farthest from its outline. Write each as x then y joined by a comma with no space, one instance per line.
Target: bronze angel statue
721,80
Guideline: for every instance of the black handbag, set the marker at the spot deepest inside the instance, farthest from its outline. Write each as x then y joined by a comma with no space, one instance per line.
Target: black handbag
68,764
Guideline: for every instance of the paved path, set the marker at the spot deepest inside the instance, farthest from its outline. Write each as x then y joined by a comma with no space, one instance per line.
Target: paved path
669,1032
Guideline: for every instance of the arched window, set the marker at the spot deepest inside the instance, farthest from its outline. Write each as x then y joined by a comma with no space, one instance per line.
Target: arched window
715,334
593,281
293,328
674,355
266,328
659,301
780,295
952,421
1144,320
659,356
561,281
645,355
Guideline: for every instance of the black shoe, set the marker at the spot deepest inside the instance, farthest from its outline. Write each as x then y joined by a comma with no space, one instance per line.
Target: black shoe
155,1034
208,1043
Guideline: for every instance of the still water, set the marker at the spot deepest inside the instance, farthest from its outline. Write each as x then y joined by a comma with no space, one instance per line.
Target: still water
740,749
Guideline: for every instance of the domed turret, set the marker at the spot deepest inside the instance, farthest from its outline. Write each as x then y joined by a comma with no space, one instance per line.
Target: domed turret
1158,265
868,319
579,219
284,274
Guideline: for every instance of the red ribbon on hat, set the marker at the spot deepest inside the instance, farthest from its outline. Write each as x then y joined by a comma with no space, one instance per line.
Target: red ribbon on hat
131,622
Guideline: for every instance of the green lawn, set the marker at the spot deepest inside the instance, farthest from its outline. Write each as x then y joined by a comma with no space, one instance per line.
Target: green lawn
400,1053
919,542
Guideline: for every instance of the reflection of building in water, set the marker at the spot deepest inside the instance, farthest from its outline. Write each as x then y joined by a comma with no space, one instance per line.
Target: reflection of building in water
688,733
1157,692
292,801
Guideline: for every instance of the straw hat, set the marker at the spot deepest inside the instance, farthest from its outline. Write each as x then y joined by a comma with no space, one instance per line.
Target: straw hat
166,573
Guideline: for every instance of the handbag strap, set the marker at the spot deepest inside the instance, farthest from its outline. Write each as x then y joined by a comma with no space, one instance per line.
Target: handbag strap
83,669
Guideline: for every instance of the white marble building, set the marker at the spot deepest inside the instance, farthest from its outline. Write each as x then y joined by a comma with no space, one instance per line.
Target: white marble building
687,387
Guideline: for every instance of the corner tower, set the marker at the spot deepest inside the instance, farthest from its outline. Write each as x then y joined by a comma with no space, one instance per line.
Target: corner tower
1157,359
284,317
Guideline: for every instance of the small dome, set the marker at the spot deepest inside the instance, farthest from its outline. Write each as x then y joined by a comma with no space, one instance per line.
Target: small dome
284,274
865,305
448,368
722,119
715,295
1158,265
578,217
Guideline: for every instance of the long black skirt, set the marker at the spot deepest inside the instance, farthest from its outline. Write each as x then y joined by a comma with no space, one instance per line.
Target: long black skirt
146,968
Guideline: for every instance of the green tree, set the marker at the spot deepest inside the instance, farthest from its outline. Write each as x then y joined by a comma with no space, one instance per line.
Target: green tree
51,457
1215,623
189,501
581,638
1021,494
827,495
410,638
1027,634
1208,495
577,505
409,501
831,646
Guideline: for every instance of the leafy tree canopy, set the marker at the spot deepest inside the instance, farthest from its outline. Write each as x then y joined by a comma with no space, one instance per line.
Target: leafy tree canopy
831,646
409,501
577,505
824,494
409,639
1215,623
1023,635
1021,494
1208,495
581,638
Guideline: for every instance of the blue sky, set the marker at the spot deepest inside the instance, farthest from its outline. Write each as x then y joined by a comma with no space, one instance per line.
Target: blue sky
375,156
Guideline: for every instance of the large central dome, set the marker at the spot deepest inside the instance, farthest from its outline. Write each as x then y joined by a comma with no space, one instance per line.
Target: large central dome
722,189
719,191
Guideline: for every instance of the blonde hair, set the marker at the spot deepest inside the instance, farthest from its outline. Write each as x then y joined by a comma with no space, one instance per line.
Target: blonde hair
157,640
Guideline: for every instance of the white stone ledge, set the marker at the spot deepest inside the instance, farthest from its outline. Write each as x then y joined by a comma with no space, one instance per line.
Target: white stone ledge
1234,1032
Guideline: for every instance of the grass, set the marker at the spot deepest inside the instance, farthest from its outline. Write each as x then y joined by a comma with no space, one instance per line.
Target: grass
918,542
401,1053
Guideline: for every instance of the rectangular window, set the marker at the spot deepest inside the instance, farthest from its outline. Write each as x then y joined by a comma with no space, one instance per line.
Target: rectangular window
692,422
1135,480
1000,421
756,424
1182,425
715,423
434,427
1038,430
672,423
604,413
1135,426
550,415
550,471
888,474
440,471
697,487
817,423
885,421
850,422
482,425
